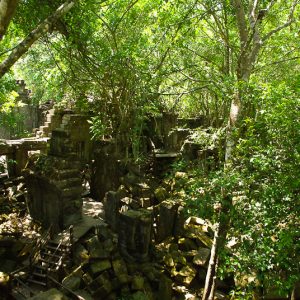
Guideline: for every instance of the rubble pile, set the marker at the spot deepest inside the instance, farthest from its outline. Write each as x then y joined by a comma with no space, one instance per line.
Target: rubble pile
147,249
175,268
17,230
12,197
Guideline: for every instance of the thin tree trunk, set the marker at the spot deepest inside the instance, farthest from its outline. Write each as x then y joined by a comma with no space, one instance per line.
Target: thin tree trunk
250,45
41,29
218,243
210,279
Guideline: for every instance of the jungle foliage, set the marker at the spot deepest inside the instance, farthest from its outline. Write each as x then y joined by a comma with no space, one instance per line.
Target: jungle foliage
236,62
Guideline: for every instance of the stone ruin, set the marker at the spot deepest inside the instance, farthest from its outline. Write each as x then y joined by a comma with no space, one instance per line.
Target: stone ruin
27,115
54,181
146,247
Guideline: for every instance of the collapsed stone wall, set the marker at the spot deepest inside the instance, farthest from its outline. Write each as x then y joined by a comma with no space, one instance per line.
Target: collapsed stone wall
147,249
27,115
54,191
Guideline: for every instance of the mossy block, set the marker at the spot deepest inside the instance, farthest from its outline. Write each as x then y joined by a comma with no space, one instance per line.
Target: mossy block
103,291
99,266
137,283
168,260
165,288
119,267
161,194
179,259
72,282
87,278
202,256
140,296
50,294
186,244
186,275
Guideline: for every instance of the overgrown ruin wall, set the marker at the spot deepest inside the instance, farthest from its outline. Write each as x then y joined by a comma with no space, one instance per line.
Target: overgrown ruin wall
25,116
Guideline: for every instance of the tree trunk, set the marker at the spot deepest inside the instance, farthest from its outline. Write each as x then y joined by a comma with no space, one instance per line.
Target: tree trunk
7,11
250,45
41,29
209,289
218,243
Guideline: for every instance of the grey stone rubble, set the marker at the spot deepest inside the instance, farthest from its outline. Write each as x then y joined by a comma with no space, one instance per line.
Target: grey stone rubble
138,242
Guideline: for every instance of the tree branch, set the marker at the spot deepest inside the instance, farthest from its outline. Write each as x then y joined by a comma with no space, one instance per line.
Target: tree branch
289,21
252,12
110,29
278,62
39,31
164,56
125,12
241,22
181,93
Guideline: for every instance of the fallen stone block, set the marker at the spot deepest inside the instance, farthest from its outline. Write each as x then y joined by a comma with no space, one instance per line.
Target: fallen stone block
202,257
98,266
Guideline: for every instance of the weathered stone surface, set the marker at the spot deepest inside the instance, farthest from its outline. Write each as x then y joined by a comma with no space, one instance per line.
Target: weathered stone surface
151,272
145,202
165,288
130,203
179,259
87,278
186,244
84,295
5,283
189,150
109,246
52,294
135,234
96,249
122,191
111,207
179,222
52,201
72,136
167,211
201,258
120,270
186,275
141,190
72,282
168,260
196,221
161,194
98,266
195,232
137,283
106,168
184,293
195,225
180,180
220,296
176,138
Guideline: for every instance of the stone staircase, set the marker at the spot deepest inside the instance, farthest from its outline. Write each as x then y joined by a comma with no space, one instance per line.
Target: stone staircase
53,256
53,120
72,137
45,265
